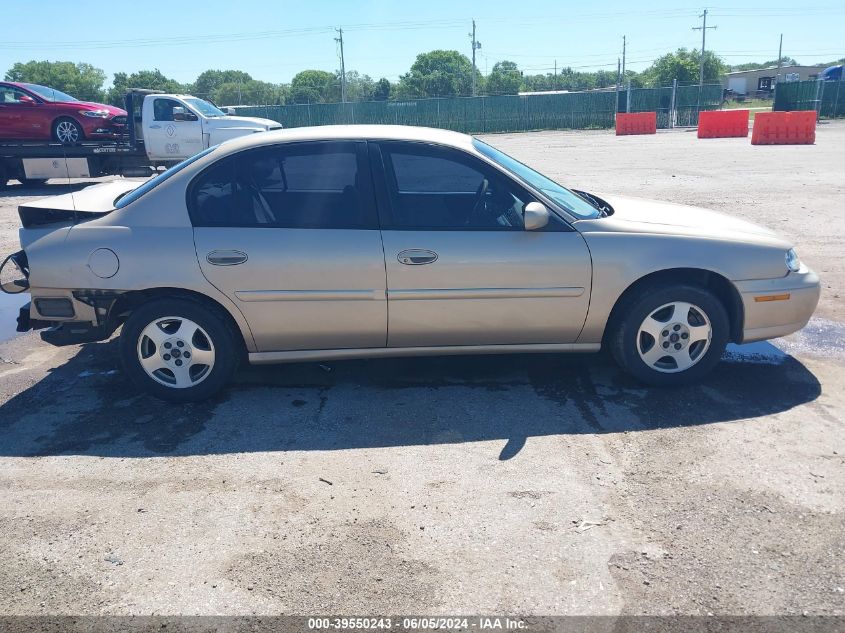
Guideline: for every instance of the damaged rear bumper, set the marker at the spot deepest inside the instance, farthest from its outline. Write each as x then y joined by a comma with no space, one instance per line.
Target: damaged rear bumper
64,332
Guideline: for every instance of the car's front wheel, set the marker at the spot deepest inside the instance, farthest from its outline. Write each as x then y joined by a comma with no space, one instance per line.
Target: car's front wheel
178,350
671,335
67,131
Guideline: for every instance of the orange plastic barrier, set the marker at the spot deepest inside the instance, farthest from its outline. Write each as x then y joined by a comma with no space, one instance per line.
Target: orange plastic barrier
722,123
784,128
636,123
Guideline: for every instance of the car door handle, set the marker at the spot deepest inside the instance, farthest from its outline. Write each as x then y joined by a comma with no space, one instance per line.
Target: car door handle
416,256
155,127
226,258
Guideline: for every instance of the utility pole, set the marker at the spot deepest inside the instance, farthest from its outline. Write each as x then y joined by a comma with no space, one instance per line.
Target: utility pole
475,46
339,39
703,28
618,73
618,78
780,52
624,42
555,84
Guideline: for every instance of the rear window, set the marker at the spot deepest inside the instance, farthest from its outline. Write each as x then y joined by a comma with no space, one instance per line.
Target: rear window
152,183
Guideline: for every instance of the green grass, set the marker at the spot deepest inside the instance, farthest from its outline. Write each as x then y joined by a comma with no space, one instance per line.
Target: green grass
754,105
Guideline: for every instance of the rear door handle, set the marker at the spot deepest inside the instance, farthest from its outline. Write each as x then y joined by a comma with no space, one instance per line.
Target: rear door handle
416,256
226,258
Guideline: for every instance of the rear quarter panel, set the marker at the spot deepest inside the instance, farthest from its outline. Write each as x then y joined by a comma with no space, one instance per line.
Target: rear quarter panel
154,243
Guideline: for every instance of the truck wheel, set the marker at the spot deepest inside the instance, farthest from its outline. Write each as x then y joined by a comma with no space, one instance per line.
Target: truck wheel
178,350
67,131
670,336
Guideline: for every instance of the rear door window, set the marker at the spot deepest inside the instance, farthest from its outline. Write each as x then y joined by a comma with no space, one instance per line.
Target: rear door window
320,185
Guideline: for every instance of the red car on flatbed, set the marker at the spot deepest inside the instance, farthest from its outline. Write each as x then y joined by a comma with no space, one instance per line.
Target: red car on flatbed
29,112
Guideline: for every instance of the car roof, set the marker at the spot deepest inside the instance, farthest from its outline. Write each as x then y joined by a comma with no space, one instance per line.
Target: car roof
351,132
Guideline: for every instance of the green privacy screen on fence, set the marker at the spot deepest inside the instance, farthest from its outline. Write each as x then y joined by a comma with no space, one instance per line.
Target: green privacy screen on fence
825,97
508,113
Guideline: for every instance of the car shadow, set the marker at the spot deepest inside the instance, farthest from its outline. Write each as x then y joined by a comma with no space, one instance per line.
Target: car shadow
54,187
88,407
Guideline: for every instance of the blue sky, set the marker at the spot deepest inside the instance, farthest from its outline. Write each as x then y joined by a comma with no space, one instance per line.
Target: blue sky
273,40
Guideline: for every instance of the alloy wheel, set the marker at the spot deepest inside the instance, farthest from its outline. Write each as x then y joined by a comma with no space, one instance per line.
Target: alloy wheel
67,132
674,337
176,352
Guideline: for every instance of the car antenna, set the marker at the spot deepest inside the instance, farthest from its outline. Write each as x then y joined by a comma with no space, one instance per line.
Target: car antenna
67,173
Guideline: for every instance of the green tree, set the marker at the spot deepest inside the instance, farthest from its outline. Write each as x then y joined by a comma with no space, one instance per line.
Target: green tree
786,61
504,79
149,79
252,92
683,65
438,74
209,80
358,87
83,81
314,86
381,90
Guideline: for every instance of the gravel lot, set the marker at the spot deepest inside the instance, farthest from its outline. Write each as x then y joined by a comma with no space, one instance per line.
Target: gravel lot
522,485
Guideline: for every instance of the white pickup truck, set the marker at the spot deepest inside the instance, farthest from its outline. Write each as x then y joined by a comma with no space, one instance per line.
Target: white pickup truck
174,127
161,130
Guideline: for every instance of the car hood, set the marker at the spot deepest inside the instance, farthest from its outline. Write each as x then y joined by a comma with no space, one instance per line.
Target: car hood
245,122
639,215
89,105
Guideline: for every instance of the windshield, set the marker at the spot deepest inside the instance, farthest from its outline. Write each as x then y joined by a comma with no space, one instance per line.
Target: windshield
204,107
569,200
131,196
49,94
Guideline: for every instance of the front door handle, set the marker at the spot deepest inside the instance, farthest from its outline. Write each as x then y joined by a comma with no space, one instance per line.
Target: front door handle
226,258
416,256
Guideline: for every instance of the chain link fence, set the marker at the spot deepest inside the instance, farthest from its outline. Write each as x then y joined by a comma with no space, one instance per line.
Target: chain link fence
507,113
825,97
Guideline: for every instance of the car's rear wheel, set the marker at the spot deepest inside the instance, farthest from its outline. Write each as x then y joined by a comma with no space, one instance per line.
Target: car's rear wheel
670,335
178,350
67,131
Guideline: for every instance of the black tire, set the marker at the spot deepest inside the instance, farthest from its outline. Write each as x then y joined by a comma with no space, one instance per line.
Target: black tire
33,182
625,341
74,134
220,334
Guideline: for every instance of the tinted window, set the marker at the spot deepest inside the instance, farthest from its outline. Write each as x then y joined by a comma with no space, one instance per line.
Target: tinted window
569,200
163,109
50,94
155,181
10,95
306,185
444,189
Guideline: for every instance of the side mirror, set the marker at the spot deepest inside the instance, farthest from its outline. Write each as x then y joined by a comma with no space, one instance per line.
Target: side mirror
535,216
27,100
180,114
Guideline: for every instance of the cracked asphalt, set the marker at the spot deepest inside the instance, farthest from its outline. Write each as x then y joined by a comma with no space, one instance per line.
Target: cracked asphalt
511,485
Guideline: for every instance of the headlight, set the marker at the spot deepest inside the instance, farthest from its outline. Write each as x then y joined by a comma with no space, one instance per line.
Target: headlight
792,261
95,114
